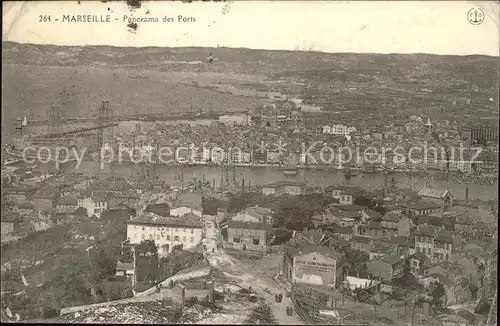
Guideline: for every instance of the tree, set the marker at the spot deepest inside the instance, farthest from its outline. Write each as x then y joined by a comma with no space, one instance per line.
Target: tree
210,205
436,291
356,262
147,261
104,263
81,212
147,246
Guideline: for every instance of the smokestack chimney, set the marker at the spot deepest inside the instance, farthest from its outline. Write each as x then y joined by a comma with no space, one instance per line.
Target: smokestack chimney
466,192
243,185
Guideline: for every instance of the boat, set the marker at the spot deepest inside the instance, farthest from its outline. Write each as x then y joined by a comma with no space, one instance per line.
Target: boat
290,169
369,170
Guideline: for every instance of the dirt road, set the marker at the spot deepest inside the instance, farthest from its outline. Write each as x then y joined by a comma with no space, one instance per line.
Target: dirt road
249,275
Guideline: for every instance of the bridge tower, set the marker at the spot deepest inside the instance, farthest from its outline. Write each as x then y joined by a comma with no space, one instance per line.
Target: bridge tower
18,127
105,115
492,316
55,119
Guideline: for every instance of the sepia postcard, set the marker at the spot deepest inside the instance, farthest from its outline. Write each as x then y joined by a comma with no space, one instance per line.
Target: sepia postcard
250,162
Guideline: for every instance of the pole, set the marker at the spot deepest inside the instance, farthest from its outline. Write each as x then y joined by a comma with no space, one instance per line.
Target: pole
343,290
413,312
406,301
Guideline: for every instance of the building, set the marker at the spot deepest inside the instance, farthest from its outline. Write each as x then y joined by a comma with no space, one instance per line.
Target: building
338,130
417,261
167,232
349,195
10,223
95,204
386,268
248,236
389,225
345,233
483,134
17,194
254,214
435,243
24,208
441,197
362,244
43,201
368,215
67,203
184,210
284,187
354,283
422,208
271,114
371,230
380,248
124,269
403,246
307,263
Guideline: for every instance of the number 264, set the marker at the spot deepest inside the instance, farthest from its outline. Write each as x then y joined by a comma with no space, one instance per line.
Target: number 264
44,18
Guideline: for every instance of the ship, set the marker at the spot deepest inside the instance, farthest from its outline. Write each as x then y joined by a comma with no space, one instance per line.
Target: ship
290,169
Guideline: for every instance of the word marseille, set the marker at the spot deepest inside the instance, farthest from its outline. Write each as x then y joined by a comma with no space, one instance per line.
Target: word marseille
86,18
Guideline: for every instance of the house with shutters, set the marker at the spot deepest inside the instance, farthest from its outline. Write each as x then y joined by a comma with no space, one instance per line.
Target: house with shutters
435,243
248,236
387,268
166,232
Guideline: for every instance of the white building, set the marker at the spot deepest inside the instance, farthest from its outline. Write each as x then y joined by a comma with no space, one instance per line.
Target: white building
166,232
94,205
360,283
338,130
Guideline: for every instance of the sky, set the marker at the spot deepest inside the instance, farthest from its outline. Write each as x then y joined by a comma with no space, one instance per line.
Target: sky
437,27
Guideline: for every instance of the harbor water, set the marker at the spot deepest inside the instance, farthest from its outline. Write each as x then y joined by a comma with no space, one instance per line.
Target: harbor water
266,175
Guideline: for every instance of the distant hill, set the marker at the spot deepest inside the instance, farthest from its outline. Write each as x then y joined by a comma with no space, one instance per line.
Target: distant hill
237,60
154,80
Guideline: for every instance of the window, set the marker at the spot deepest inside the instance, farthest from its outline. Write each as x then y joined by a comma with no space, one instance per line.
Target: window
418,249
143,228
176,238
256,241
236,239
192,239
192,231
168,237
423,250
